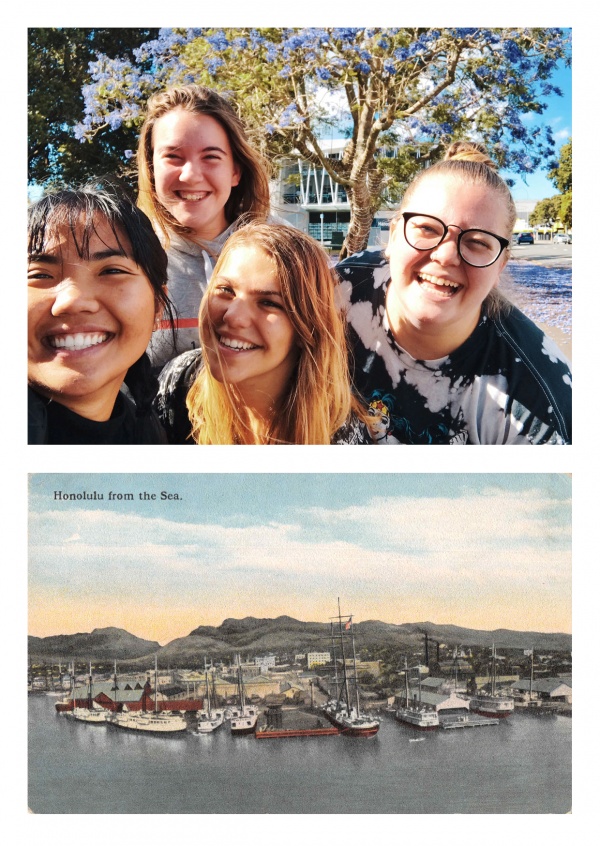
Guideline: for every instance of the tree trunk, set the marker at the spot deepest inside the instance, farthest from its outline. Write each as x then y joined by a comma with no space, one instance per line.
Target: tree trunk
363,206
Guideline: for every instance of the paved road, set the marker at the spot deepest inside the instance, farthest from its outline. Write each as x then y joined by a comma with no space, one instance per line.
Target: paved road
543,252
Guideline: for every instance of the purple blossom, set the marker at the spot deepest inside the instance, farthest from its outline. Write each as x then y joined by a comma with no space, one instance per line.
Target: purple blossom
79,131
295,42
218,41
323,73
256,39
272,52
345,34
213,63
129,154
512,51
114,120
362,67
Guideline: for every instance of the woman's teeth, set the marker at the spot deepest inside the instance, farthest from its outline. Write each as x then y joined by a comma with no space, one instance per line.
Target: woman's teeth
435,280
192,197
78,341
233,344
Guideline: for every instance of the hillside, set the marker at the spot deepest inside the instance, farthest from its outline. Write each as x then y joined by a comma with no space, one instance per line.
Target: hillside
254,636
100,644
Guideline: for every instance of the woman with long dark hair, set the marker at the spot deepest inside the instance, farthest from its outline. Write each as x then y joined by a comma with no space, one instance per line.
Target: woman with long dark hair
96,287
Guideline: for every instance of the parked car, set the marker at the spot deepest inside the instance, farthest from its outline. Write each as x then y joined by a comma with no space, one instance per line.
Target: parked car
562,238
525,238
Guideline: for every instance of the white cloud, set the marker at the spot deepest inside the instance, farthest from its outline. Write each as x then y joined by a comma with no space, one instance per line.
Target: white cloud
491,542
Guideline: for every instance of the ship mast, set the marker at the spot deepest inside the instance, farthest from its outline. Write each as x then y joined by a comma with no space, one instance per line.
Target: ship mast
116,688
354,667
73,683
531,678
209,712
335,672
345,674
241,685
156,683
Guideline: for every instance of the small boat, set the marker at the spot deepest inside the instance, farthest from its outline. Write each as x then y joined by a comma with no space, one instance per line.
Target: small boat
246,718
344,711
209,720
492,704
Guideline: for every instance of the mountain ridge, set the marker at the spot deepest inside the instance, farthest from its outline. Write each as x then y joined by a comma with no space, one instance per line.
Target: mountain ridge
280,634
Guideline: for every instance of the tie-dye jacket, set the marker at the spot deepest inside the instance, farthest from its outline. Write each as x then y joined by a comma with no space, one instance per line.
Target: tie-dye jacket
507,384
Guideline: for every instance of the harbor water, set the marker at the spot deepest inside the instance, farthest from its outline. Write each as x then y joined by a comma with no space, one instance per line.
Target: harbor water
521,766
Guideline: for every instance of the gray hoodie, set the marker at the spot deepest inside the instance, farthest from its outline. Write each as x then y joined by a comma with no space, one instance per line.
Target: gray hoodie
189,271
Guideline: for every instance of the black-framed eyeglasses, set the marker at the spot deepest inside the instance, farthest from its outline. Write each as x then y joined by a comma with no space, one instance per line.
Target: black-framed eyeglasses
476,247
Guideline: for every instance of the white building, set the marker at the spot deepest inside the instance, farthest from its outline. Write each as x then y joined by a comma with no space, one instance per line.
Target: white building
316,659
265,662
308,198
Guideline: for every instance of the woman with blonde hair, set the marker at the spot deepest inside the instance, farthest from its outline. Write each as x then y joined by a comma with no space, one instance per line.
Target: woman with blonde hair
456,361
197,174
273,364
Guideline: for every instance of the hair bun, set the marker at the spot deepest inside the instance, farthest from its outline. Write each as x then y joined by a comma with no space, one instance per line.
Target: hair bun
469,151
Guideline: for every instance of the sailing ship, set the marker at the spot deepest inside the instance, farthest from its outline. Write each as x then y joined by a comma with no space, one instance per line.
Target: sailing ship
156,722
209,720
492,704
344,711
56,693
415,714
92,713
243,721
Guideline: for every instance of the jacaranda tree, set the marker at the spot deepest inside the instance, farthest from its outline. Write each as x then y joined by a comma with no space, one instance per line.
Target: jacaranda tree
411,89
57,67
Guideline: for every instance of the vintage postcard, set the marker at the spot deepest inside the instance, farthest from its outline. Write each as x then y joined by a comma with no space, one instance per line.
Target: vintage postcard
300,644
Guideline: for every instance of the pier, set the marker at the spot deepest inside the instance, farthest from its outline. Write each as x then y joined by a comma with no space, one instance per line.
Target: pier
472,721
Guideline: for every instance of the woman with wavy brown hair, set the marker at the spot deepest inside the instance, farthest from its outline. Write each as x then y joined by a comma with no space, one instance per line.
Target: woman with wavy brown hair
273,365
197,174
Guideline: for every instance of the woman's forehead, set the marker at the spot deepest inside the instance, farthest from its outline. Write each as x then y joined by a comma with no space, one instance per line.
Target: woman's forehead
87,234
458,200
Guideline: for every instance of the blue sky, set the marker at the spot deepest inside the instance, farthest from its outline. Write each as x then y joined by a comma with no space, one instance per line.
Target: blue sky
486,551
558,115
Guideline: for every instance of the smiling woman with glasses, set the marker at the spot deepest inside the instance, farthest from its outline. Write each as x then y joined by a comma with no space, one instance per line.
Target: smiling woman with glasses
475,246
429,330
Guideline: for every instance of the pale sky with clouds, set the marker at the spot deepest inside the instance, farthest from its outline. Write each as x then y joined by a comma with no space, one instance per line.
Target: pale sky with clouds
485,551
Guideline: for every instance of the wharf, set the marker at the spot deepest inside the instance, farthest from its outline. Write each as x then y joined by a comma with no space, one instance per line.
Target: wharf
294,722
471,721
267,732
